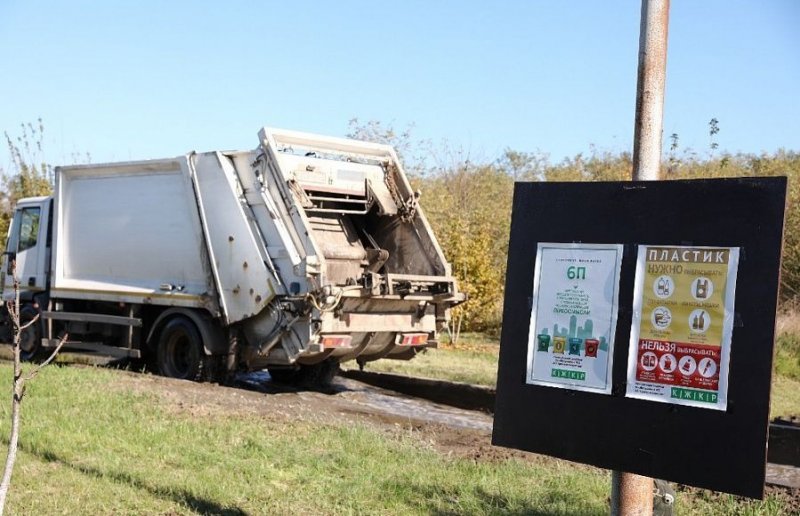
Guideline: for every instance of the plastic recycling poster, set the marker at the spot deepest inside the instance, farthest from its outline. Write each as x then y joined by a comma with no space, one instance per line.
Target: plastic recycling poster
574,316
682,324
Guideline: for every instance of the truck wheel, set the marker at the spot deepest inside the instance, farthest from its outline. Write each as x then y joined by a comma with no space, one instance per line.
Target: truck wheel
285,375
30,341
320,375
180,350
315,376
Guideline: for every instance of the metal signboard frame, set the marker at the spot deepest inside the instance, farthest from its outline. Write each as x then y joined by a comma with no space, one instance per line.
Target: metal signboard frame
724,450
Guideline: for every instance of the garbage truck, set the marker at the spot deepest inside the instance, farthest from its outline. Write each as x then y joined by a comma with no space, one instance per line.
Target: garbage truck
303,253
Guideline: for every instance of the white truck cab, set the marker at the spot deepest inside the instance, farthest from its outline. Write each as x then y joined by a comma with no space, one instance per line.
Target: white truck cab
28,246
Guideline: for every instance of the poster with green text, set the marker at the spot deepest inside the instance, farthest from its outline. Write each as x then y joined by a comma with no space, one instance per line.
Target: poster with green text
574,316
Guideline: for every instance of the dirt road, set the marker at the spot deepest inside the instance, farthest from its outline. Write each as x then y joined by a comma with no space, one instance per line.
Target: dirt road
451,430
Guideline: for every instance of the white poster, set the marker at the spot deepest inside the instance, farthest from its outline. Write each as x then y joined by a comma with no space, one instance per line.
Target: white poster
682,325
574,316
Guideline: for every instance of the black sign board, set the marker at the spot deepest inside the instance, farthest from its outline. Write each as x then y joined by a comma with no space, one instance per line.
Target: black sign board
724,450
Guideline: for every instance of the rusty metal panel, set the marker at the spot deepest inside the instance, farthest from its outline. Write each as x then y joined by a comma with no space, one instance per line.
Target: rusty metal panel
364,322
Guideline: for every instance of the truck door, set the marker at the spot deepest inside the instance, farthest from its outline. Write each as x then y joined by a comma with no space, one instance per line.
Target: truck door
26,245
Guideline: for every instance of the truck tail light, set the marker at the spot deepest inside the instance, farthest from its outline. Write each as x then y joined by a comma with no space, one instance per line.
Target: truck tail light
413,339
336,341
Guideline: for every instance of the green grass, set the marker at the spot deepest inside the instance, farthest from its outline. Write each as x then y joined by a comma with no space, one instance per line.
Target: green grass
91,449
705,502
787,355
466,363
91,444
785,399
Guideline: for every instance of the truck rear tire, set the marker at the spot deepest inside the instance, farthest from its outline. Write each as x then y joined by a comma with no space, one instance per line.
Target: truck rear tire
321,375
180,350
286,375
315,376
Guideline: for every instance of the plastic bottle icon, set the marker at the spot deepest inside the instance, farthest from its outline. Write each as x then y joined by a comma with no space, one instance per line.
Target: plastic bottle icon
663,286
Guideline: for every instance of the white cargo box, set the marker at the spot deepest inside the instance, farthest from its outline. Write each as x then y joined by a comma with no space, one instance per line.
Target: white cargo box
130,232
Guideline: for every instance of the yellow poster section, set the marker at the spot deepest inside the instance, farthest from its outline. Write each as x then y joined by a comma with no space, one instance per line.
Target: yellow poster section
684,294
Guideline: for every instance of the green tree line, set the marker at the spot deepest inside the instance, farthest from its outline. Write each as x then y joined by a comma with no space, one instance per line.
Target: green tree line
469,204
485,272
468,201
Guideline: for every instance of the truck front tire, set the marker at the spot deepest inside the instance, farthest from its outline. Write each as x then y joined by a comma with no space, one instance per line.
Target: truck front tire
180,350
30,340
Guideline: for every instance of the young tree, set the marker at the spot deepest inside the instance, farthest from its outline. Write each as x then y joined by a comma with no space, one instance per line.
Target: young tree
18,385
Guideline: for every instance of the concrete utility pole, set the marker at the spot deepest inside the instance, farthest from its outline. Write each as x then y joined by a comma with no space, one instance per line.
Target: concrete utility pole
633,494
650,90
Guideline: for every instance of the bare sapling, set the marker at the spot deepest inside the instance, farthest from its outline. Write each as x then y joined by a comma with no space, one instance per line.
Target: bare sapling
20,377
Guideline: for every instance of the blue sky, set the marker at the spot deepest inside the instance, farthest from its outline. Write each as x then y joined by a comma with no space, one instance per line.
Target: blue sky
147,79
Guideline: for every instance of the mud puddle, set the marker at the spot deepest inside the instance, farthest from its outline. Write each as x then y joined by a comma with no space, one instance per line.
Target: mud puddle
373,399
399,405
